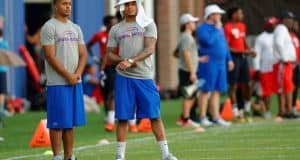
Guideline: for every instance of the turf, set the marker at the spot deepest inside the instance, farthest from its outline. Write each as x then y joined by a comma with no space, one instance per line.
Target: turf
260,140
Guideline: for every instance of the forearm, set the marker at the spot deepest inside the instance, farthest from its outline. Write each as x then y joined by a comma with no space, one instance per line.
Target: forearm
81,64
111,56
57,66
188,62
104,62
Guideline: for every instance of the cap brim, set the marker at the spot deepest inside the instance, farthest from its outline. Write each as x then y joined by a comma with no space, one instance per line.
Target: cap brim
123,2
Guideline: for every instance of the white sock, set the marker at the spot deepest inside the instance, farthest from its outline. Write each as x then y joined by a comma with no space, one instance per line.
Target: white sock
111,117
121,147
247,106
132,122
163,145
235,110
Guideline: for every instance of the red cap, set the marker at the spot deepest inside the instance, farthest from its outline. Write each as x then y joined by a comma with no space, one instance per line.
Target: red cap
270,21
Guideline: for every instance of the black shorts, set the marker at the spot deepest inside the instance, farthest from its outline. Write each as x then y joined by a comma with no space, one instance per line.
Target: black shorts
241,71
3,85
108,89
184,80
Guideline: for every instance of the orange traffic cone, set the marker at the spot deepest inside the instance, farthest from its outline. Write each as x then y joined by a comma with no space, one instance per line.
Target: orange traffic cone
145,126
298,105
41,136
227,112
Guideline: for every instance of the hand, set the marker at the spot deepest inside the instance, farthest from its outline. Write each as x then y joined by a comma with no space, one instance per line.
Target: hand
102,75
193,77
203,59
230,65
250,53
257,75
123,65
219,24
73,78
96,59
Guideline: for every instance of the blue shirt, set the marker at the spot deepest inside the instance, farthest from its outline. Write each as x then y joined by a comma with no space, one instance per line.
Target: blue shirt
4,44
213,44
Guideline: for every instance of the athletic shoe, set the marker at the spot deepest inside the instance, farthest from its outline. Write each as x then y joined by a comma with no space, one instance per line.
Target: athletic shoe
222,122
236,112
110,127
190,124
57,158
267,115
170,157
72,158
290,115
133,129
205,122
179,121
119,157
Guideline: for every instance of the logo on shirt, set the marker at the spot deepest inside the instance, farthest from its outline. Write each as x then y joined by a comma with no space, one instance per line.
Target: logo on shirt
131,32
68,36
237,34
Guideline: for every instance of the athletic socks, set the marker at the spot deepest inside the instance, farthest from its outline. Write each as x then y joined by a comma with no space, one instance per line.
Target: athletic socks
235,110
247,106
111,117
121,147
163,145
132,122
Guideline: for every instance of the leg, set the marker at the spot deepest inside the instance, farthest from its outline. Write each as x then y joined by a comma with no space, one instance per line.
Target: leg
186,108
203,103
214,103
247,94
281,104
55,138
68,140
288,102
121,138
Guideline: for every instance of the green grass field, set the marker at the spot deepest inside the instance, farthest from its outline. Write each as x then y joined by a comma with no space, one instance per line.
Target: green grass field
260,140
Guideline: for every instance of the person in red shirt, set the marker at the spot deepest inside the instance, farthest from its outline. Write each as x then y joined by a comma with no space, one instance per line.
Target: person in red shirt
107,71
235,32
296,75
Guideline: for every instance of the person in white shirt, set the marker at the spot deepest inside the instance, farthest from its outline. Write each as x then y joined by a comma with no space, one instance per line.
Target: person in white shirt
285,53
264,61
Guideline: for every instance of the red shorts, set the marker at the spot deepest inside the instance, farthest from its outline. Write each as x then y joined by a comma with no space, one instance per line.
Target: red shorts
268,83
284,76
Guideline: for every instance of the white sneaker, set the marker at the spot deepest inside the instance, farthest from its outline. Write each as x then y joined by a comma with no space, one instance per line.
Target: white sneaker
222,122
205,122
190,124
72,158
57,158
267,115
236,112
170,157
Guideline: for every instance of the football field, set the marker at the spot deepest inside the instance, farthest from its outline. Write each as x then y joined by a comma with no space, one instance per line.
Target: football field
260,140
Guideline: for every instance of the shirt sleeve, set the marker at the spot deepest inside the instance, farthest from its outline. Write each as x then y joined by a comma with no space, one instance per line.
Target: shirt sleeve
112,38
151,31
80,35
257,49
47,35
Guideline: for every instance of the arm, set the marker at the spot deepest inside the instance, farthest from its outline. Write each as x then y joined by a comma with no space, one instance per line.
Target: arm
49,51
206,38
82,59
256,60
188,61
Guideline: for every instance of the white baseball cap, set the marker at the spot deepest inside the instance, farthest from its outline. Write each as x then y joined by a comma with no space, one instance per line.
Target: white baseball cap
121,2
213,8
186,18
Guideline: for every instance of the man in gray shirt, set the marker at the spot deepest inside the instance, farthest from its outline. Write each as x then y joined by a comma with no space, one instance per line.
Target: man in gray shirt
135,89
65,54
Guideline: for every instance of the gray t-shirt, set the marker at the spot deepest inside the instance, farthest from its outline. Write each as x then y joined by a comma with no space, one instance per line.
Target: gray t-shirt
129,37
187,43
66,37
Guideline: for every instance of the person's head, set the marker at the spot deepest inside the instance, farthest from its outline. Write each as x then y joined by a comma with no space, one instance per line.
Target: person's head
235,14
188,22
91,69
270,24
109,21
213,13
62,8
287,18
130,9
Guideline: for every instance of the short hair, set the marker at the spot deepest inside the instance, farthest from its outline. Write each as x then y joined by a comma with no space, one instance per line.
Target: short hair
232,11
107,19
